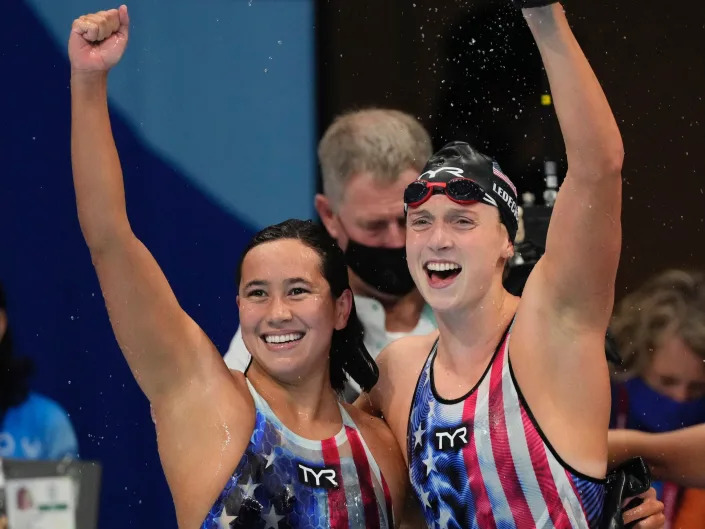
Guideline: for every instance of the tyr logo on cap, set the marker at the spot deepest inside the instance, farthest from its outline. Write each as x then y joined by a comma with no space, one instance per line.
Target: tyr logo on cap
431,174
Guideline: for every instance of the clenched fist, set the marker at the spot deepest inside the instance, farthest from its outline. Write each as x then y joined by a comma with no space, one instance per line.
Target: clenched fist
98,40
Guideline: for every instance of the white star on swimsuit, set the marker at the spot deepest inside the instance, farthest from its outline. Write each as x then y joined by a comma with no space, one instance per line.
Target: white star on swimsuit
444,519
225,519
417,436
424,498
271,519
248,489
270,459
430,462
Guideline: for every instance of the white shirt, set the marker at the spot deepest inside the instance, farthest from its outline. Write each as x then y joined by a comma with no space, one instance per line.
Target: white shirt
372,316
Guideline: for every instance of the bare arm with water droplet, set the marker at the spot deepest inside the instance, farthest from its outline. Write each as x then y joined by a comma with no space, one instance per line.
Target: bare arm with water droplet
676,456
162,344
584,240
557,347
203,415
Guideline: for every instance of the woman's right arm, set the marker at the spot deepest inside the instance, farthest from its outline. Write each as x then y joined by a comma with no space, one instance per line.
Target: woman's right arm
162,344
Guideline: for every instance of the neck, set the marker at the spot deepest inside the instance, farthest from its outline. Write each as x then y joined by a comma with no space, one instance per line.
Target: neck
469,335
308,407
402,313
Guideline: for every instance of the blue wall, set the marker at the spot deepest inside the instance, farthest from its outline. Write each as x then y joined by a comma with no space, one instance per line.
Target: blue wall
205,136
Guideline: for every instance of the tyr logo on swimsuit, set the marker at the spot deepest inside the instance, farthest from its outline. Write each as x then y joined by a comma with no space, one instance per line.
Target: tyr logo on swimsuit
451,438
318,477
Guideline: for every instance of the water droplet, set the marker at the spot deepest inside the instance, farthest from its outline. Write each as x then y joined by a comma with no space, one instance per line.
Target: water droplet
266,70
279,42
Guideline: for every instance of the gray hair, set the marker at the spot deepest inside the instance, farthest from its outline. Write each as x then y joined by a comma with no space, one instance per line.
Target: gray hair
671,302
379,141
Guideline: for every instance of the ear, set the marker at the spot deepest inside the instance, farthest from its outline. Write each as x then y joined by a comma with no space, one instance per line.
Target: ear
3,323
343,306
237,301
325,211
520,228
509,249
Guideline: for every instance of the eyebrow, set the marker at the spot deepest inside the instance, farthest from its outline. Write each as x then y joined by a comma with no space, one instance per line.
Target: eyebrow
288,281
297,280
419,213
462,211
255,283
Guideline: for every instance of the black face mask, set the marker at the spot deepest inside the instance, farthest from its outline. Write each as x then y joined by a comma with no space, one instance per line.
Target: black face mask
382,268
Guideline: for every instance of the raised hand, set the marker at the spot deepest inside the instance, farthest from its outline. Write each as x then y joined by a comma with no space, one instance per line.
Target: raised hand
98,40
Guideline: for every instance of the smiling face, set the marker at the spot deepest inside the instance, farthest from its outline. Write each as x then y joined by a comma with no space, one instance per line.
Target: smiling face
455,252
287,311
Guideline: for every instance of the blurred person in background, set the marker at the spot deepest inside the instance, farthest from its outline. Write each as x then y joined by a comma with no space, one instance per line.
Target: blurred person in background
31,425
659,331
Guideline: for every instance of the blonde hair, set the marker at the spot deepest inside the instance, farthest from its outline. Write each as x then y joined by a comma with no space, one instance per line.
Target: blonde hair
672,302
379,141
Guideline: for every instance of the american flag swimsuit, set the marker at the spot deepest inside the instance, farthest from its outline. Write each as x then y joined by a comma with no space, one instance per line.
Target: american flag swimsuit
481,461
285,481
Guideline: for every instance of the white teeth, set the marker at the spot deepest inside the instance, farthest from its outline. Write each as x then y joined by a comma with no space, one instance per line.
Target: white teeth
283,338
442,267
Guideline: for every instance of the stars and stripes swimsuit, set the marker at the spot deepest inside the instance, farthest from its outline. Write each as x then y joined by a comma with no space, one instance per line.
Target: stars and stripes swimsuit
285,481
481,461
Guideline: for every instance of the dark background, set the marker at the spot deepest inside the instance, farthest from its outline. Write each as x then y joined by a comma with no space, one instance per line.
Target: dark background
470,70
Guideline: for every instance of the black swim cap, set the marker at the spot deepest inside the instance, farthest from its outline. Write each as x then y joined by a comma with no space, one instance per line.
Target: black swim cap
458,159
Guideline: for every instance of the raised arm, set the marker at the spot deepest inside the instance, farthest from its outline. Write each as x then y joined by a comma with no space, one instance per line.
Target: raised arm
558,340
162,345
575,278
676,456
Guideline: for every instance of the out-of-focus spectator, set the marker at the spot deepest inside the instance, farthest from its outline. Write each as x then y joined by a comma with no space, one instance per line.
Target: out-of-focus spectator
31,425
660,334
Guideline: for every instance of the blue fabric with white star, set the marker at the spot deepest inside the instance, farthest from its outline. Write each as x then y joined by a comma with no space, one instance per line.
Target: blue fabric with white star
263,492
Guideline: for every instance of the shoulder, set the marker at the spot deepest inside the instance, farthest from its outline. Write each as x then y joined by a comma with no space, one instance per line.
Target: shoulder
407,351
401,362
373,429
385,451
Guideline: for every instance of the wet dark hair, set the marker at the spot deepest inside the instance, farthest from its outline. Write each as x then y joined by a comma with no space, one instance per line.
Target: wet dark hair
14,372
348,353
